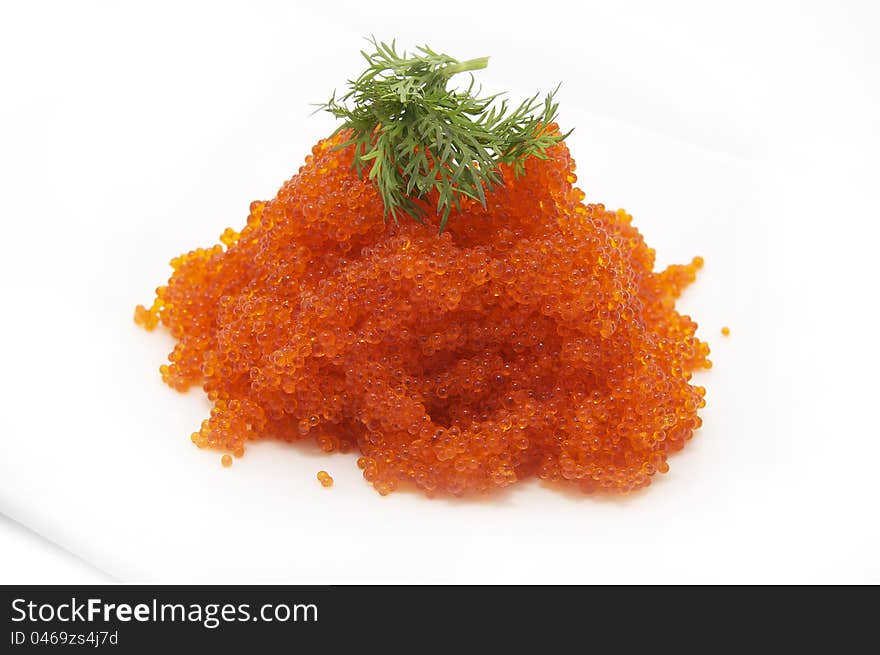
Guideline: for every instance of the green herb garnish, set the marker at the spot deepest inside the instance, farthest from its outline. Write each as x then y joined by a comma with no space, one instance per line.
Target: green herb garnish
412,135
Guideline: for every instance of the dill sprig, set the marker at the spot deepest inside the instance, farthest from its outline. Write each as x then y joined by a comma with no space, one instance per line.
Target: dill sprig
412,135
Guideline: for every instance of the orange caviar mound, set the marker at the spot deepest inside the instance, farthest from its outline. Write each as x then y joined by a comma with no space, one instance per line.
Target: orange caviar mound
532,338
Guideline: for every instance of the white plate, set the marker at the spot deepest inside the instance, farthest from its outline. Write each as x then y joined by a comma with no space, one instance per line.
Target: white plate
141,151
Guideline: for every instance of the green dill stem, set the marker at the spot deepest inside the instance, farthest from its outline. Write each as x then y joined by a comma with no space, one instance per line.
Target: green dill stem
469,65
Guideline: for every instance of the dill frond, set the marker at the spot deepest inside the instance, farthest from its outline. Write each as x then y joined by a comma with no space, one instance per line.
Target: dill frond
412,135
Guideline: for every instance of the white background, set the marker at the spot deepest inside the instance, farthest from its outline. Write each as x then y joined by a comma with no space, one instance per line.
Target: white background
746,133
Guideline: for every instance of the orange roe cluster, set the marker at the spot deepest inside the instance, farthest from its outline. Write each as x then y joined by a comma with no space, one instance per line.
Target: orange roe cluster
532,338
325,479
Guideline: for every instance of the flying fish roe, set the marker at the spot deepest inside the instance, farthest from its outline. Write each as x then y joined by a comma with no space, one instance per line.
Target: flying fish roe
725,331
532,339
325,479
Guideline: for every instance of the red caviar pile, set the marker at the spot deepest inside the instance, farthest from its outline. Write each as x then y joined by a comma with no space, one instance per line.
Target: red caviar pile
532,338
